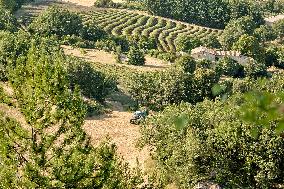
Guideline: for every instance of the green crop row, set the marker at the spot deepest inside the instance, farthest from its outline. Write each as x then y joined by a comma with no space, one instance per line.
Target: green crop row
165,31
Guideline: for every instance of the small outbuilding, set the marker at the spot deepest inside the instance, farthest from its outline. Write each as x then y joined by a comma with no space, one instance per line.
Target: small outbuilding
215,55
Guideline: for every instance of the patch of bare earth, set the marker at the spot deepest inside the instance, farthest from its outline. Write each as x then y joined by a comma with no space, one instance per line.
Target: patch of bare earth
87,3
103,57
125,135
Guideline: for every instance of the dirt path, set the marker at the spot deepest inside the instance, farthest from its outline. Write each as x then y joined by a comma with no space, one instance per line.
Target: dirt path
114,124
125,135
103,57
88,3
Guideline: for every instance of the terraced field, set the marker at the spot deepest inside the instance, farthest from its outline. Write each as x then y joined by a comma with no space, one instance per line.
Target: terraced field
166,31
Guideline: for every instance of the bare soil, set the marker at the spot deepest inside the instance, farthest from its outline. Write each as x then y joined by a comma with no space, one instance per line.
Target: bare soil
103,57
125,135
114,125
88,3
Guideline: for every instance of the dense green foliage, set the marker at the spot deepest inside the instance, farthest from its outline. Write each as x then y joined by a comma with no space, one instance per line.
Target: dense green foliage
204,129
217,141
209,13
56,21
230,67
187,63
12,45
249,46
63,23
187,43
135,57
7,21
148,28
183,82
92,83
235,29
254,69
12,5
279,28
53,151
275,56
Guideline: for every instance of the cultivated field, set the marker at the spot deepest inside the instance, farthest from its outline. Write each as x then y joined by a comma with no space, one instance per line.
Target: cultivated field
165,31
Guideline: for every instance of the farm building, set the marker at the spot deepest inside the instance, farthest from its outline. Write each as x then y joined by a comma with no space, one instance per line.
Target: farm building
215,55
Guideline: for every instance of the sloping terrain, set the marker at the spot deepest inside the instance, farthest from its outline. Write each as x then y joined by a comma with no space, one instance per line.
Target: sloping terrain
165,31
98,56
125,135
125,22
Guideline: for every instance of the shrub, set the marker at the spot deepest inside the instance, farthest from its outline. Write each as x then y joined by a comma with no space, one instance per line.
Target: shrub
167,56
40,82
254,69
92,32
7,21
231,67
279,28
235,29
157,90
106,45
203,81
143,42
186,43
135,57
264,33
92,83
213,141
274,56
249,46
187,63
12,5
172,86
104,3
57,21
211,42
204,63
6,52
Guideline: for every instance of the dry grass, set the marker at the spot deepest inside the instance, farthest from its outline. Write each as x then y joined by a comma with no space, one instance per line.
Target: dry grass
103,57
116,126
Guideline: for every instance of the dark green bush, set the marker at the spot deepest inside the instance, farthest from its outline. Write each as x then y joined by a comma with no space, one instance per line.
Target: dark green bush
104,3
143,42
167,56
160,89
6,52
92,83
106,45
254,69
57,21
202,83
187,43
13,5
275,56
213,141
279,28
157,90
136,57
211,42
204,63
235,29
7,21
187,63
92,32
231,67
264,33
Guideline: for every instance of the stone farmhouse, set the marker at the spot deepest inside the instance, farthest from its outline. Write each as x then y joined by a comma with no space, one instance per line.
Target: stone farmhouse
215,55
